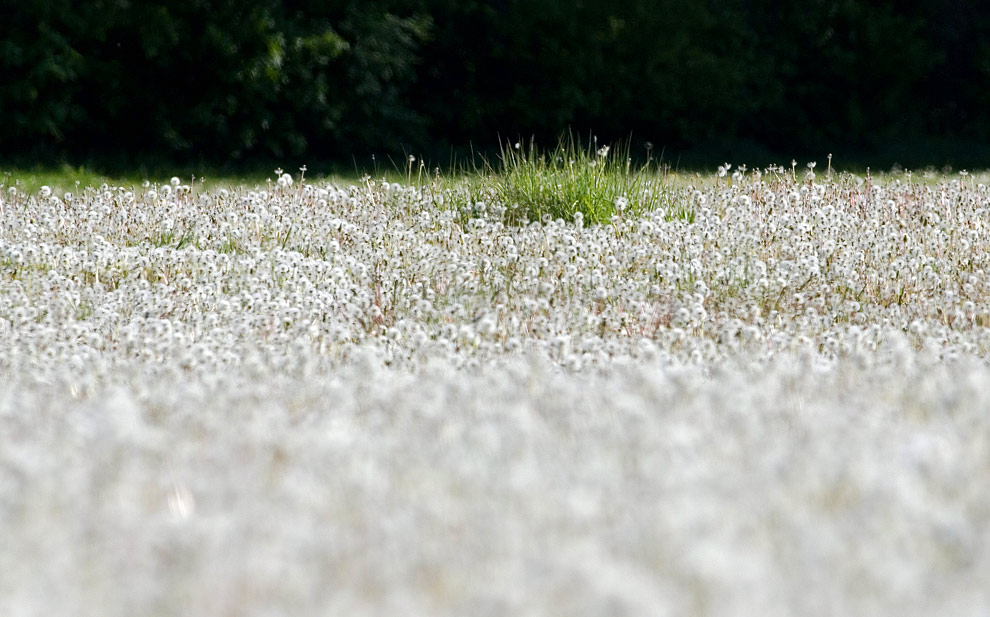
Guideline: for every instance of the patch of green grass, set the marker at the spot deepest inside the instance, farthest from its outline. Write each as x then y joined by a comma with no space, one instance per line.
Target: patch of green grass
598,183
69,178
64,178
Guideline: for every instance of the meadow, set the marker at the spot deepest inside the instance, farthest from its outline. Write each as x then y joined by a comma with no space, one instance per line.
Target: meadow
564,385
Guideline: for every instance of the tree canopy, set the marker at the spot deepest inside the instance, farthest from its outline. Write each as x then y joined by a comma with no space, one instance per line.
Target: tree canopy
236,80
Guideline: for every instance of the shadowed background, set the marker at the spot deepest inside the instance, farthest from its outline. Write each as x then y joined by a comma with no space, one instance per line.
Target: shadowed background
114,83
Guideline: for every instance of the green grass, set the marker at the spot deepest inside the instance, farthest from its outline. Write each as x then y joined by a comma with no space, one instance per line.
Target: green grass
69,178
64,178
597,183
528,184
524,184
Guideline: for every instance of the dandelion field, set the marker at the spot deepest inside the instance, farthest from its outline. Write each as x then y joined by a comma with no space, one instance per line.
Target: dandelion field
763,392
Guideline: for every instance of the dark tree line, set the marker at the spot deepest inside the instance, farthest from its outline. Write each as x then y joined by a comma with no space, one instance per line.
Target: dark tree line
237,80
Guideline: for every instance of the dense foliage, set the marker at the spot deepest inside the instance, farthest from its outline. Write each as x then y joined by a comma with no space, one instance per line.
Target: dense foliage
219,79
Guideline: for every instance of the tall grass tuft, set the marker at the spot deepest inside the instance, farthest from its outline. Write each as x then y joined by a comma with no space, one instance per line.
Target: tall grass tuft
597,183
